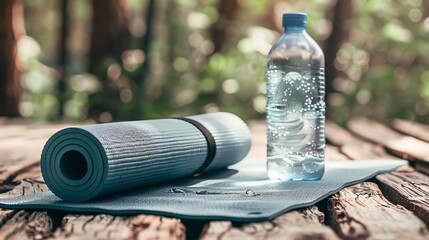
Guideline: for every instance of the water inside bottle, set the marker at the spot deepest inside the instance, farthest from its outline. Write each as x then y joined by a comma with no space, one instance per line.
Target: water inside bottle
295,122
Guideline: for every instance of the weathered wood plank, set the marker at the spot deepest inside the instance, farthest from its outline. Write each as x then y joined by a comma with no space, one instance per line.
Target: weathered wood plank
410,189
29,136
376,152
14,180
27,225
143,226
417,130
259,140
353,146
334,153
396,191
11,151
338,136
32,131
406,147
358,148
361,212
26,168
104,226
381,134
303,224
14,151
5,121
26,186
5,215
414,129
422,167
14,183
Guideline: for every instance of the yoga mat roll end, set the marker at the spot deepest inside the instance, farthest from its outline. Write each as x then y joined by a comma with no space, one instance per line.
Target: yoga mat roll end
74,165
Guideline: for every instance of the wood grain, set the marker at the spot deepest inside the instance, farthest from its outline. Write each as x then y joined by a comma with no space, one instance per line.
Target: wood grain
303,224
396,191
259,140
334,153
381,134
27,225
414,129
20,174
354,146
406,147
104,226
422,167
24,224
5,215
410,189
24,175
417,130
23,145
361,212
26,186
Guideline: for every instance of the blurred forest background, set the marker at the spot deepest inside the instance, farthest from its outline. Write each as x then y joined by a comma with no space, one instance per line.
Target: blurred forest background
138,59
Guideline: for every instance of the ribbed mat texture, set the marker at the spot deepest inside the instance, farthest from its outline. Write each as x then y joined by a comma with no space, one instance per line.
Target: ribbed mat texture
85,162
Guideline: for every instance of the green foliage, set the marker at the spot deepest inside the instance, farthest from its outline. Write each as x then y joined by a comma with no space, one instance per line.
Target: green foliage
382,68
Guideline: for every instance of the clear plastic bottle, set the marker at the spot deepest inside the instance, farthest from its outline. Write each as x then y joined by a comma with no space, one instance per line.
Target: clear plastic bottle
295,104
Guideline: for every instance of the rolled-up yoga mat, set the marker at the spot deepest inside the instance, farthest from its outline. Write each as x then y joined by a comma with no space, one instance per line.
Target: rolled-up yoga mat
81,163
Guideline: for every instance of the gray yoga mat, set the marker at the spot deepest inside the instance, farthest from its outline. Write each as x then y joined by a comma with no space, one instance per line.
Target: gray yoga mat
86,162
240,193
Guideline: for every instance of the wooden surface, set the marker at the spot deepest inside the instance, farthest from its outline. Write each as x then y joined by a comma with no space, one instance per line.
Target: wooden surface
390,206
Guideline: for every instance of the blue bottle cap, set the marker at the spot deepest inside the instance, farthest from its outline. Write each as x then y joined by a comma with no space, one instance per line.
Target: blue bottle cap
295,19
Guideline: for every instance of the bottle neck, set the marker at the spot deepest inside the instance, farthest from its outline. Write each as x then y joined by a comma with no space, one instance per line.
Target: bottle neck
294,29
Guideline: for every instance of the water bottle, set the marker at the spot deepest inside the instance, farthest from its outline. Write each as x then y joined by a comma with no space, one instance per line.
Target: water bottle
295,82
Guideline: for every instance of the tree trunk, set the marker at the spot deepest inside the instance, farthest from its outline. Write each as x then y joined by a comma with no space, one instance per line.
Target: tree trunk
109,31
146,40
140,77
221,29
110,37
342,13
11,28
63,54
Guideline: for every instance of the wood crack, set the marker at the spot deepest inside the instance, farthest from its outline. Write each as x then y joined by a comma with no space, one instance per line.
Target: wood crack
408,189
361,212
